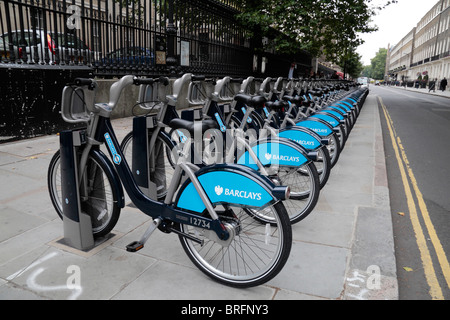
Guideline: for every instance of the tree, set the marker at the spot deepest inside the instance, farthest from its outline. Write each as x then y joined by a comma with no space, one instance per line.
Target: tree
378,64
322,27
352,64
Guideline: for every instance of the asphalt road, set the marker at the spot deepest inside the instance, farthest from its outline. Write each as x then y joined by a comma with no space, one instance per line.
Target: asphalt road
416,132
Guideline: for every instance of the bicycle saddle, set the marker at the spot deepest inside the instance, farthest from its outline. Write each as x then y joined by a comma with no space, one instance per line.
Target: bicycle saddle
251,101
276,105
191,126
295,100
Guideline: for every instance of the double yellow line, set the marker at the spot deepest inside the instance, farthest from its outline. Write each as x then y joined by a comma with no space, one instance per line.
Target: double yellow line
406,172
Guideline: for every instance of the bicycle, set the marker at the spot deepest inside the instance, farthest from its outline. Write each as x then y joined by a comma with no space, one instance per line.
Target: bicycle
240,150
230,220
295,166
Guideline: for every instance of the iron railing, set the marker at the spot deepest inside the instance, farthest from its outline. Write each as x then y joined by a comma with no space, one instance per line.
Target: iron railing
117,37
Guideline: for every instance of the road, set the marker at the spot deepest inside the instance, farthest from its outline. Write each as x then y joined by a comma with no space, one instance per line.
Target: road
416,132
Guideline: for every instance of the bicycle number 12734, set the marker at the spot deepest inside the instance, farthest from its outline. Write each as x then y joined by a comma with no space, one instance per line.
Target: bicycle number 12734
200,223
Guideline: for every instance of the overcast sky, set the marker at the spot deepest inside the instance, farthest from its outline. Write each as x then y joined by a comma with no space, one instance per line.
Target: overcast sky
393,23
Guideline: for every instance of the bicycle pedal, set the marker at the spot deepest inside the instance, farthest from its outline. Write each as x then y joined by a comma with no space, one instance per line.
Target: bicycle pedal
135,246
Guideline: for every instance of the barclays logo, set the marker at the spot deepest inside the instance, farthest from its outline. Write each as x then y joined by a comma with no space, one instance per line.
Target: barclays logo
269,156
237,193
218,190
304,142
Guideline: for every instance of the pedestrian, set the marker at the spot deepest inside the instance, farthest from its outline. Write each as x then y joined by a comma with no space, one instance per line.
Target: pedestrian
443,84
292,70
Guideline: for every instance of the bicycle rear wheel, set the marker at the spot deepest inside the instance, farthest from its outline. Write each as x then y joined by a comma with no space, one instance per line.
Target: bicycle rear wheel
334,148
255,253
305,189
98,200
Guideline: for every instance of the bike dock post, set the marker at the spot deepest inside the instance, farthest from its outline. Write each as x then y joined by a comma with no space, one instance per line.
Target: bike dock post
140,160
77,225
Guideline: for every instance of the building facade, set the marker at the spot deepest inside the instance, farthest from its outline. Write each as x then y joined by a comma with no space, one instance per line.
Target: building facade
423,55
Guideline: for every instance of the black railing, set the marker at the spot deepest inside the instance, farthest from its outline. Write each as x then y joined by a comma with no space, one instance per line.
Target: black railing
45,43
117,37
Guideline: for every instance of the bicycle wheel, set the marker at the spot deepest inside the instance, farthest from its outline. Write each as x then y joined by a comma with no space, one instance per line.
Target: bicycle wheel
162,168
255,252
305,189
334,148
100,202
323,166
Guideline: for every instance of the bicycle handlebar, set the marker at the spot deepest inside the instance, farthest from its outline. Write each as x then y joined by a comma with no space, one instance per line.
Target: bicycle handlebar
150,81
83,81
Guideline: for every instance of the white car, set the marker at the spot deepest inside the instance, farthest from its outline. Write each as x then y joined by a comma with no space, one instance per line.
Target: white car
31,46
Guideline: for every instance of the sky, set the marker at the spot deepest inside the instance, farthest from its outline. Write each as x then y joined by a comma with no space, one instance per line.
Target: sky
393,22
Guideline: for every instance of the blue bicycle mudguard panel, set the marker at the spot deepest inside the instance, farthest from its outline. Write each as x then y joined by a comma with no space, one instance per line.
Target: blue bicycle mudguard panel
303,138
223,186
348,104
334,113
339,109
276,152
340,104
319,128
326,118
351,99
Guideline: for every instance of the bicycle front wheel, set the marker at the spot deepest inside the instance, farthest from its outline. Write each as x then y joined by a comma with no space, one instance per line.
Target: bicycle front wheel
97,197
161,164
255,252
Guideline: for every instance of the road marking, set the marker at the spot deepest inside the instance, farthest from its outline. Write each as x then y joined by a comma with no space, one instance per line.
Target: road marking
442,257
430,273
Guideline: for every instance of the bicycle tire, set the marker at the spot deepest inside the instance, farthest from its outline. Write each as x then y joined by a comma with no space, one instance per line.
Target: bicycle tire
323,166
305,189
164,167
255,253
101,195
334,148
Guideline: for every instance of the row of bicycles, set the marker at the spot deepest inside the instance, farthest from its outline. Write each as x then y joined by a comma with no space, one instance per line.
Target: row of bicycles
229,174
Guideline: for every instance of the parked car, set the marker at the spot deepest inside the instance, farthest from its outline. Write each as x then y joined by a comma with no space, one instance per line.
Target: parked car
129,55
4,49
68,44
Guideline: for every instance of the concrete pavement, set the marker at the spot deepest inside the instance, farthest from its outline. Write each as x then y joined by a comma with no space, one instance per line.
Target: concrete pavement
343,250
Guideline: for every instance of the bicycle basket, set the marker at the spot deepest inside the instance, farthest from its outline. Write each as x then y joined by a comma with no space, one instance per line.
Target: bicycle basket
76,104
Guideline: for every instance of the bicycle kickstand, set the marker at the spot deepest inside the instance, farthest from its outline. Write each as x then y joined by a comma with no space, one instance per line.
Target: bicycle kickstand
138,245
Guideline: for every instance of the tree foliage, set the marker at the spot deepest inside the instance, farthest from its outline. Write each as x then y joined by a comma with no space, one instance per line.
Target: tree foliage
378,64
322,27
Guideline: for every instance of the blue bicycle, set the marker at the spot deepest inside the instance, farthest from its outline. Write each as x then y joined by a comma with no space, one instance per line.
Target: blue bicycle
230,220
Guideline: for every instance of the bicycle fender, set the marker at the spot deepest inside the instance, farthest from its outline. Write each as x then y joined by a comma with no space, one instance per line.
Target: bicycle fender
347,104
275,152
317,126
334,113
229,184
305,137
343,106
326,118
117,185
